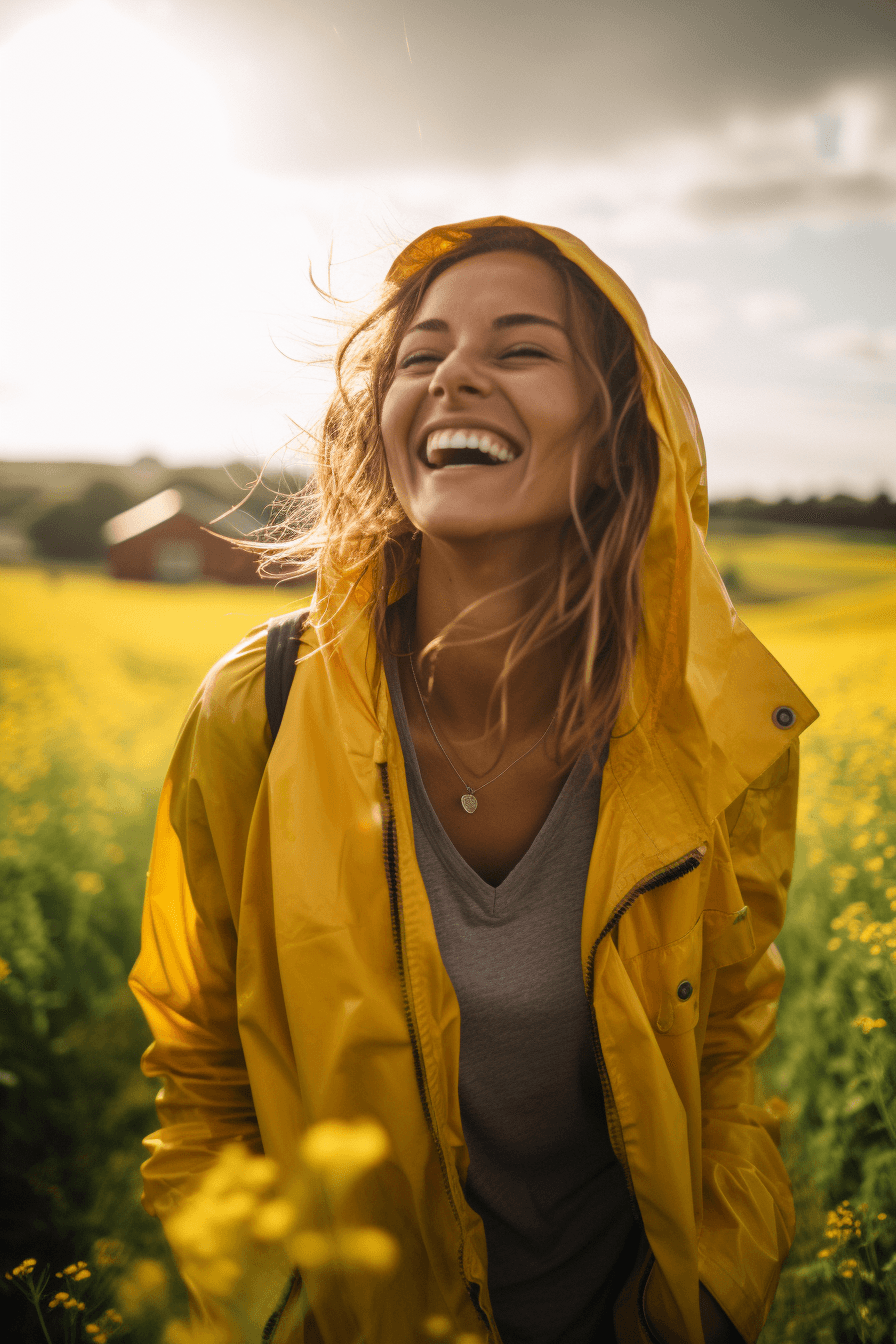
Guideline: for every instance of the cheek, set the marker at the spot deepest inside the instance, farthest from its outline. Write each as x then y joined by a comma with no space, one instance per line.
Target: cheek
395,421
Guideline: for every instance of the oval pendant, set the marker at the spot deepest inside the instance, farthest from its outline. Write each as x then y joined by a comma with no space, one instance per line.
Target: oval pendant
469,802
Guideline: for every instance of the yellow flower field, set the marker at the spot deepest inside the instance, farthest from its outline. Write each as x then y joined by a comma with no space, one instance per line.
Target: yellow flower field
95,677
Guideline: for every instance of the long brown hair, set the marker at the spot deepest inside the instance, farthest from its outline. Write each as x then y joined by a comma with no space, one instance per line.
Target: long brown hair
348,524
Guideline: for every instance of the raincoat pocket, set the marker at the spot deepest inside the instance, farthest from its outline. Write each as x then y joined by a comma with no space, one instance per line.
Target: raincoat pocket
667,981
727,937
667,978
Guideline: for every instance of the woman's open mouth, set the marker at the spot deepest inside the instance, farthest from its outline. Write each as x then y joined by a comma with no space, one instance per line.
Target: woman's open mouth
468,448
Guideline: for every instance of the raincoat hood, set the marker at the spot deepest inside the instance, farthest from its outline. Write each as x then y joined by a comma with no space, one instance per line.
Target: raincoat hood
695,657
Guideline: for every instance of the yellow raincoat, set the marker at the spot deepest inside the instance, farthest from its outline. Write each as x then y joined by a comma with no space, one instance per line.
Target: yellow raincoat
290,971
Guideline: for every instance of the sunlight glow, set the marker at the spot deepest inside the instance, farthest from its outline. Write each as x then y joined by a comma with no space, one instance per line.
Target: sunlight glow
132,247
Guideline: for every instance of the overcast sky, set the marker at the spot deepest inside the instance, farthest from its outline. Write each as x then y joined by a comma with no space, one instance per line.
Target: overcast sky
169,169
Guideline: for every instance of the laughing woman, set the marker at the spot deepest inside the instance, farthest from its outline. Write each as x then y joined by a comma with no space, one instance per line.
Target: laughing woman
508,878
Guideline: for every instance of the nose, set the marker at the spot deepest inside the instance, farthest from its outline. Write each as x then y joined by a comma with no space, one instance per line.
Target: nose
459,374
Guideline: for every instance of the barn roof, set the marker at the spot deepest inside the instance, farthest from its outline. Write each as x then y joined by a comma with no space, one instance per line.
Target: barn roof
204,509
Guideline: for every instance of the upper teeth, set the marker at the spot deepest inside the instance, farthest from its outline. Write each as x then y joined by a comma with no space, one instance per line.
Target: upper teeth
461,438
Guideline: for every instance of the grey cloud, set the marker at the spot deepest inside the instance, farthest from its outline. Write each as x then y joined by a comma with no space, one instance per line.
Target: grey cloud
330,86
795,196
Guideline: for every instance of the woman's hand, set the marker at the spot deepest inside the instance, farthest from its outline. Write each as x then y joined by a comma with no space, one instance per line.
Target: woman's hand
717,1329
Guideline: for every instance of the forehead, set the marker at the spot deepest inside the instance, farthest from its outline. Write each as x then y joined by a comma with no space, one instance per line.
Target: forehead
495,283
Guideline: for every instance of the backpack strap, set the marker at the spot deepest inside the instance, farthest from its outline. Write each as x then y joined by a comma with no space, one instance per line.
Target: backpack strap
281,652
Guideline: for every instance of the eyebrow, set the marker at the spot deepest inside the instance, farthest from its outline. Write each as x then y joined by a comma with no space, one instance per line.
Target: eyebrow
499,324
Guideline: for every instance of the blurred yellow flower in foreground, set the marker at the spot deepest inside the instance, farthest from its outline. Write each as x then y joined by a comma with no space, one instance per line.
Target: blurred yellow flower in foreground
437,1327
145,1286
246,1206
349,1247
341,1152
182,1332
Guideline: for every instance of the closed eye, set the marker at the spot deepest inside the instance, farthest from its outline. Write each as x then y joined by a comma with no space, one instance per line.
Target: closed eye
420,357
517,351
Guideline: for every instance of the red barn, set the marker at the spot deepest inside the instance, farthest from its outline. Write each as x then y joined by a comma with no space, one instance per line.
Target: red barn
174,538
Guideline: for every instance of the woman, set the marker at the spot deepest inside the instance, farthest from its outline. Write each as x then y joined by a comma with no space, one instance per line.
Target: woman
509,878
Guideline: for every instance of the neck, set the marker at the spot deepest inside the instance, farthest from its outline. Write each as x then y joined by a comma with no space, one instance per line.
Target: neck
501,581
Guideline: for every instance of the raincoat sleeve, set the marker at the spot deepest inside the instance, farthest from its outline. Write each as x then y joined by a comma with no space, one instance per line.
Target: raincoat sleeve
184,977
748,1216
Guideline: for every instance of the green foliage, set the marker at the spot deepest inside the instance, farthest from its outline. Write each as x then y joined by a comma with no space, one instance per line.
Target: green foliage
834,1061
74,1106
71,531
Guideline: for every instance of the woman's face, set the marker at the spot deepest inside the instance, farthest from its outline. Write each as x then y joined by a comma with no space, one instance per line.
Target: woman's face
488,403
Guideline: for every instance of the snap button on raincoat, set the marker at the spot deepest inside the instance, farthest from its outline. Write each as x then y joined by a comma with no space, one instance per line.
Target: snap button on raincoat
290,971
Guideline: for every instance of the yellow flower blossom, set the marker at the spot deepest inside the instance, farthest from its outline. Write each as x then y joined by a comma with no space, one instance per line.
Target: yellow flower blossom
437,1327
26,820
274,1220
834,943
861,841
367,1248
5,969
778,1107
146,1284
91,884
182,1332
874,864
868,1024
342,1151
107,1251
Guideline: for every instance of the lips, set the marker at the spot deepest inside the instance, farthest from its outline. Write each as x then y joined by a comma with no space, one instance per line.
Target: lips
474,447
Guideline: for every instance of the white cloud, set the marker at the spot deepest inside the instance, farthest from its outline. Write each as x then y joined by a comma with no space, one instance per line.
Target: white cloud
681,311
855,341
770,309
772,440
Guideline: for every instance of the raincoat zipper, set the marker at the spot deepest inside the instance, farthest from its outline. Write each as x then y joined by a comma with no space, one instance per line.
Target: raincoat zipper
670,873
390,858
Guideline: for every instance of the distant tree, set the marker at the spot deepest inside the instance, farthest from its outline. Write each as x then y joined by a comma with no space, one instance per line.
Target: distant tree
71,531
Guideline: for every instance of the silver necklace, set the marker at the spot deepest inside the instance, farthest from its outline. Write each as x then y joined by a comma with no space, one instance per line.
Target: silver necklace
468,801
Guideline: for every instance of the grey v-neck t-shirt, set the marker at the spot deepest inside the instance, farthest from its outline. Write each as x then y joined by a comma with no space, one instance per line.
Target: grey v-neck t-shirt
559,1226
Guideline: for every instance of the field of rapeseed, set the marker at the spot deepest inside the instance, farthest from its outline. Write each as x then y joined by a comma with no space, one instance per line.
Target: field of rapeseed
94,680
